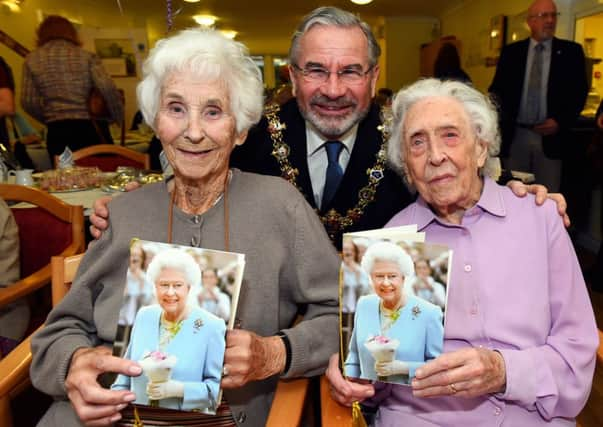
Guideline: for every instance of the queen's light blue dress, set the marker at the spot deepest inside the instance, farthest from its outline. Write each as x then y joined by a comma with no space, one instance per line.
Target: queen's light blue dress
198,345
419,328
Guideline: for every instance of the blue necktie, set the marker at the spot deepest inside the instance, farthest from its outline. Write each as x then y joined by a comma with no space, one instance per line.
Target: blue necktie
334,172
534,94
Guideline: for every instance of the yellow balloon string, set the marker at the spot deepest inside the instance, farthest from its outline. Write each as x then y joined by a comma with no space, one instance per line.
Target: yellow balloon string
137,421
357,417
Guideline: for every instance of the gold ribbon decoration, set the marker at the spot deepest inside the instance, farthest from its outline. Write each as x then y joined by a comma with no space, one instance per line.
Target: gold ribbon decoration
357,417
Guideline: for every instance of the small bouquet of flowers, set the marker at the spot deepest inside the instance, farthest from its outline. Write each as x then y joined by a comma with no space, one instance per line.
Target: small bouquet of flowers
157,366
382,348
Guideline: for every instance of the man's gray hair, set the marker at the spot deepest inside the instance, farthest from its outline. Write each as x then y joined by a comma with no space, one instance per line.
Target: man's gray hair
483,118
332,16
388,252
210,55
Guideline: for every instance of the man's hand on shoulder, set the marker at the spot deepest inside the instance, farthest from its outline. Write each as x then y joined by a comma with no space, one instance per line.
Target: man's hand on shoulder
100,216
541,194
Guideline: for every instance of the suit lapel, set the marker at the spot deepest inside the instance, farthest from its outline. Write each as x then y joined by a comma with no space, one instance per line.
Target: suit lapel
522,62
295,137
556,63
363,157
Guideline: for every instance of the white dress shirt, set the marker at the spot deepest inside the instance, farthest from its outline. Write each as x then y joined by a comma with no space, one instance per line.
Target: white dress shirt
317,157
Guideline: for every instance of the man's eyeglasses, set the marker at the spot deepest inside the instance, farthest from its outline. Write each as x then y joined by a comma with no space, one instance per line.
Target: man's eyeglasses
321,75
545,15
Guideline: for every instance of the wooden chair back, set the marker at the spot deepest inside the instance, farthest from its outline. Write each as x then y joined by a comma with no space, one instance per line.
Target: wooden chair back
107,157
50,227
63,273
15,366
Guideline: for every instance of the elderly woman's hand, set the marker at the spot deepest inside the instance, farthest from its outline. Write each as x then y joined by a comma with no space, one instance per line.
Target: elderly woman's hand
249,357
343,391
468,372
93,404
541,194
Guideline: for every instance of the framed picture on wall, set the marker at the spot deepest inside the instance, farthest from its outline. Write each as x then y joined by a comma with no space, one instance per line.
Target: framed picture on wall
117,56
498,26
517,27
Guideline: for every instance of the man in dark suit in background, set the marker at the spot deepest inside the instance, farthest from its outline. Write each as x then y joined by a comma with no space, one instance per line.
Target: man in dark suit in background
540,85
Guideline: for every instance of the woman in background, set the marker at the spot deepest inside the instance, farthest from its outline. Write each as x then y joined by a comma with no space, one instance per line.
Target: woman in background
448,65
58,77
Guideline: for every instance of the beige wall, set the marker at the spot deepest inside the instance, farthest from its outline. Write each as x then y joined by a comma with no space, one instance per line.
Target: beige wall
403,38
592,27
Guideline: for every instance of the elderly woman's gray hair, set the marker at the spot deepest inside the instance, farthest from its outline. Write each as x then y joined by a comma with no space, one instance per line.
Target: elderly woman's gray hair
387,252
209,55
178,260
332,16
480,109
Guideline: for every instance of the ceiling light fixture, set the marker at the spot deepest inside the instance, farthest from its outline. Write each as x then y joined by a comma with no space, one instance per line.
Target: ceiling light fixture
207,21
231,34
192,1
361,1
13,5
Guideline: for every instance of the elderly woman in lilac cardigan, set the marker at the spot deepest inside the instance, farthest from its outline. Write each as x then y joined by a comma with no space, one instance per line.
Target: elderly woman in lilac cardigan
520,338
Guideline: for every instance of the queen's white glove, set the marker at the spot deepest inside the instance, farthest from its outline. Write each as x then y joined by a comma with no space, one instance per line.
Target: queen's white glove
171,388
395,367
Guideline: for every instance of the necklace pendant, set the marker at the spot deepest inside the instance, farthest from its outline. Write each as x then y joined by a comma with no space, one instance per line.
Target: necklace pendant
376,174
281,152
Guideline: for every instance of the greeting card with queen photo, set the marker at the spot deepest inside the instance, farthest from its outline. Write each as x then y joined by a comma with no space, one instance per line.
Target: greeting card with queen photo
393,295
178,303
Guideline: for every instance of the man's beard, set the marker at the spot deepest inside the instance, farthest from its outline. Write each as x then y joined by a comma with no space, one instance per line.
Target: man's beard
329,126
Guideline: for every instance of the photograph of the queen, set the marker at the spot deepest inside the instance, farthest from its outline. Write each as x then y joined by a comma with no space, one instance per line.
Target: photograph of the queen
394,331
179,345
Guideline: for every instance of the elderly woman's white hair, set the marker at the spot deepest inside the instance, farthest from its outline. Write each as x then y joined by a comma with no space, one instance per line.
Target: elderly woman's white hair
177,260
209,55
388,252
482,114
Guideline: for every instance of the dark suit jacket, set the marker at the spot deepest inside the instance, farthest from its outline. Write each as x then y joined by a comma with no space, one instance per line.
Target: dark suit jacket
392,195
566,91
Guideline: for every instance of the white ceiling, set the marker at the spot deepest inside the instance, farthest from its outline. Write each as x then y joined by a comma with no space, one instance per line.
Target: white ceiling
264,19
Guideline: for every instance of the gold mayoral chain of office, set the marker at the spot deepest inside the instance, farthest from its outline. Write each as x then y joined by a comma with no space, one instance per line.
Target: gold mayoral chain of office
333,221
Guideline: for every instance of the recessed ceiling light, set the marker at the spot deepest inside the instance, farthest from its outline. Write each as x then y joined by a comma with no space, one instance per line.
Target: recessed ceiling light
192,1
361,1
231,34
205,20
